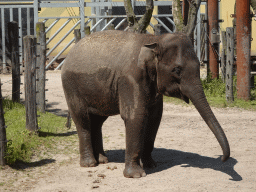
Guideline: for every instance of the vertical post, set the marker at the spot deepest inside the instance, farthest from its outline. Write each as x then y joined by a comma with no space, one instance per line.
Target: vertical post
102,13
198,37
3,140
35,15
20,39
223,55
28,21
40,65
206,41
13,35
97,14
93,12
11,14
229,64
109,11
81,7
3,41
243,29
213,28
30,82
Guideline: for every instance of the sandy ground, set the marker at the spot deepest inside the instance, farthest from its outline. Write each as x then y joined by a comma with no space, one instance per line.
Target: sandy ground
186,152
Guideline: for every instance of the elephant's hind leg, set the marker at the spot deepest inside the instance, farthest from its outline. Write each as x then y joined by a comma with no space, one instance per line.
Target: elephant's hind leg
83,125
97,143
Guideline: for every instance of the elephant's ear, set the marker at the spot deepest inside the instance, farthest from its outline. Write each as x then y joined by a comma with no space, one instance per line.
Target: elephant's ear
147,59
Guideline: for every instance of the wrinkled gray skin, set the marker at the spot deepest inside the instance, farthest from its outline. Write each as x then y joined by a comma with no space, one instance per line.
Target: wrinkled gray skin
116,72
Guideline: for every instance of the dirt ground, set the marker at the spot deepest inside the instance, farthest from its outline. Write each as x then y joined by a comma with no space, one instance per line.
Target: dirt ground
186,152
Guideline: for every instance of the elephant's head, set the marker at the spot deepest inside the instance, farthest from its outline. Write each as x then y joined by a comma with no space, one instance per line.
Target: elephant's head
174,65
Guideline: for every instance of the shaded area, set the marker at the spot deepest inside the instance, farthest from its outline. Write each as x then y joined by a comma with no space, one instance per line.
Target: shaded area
47,134
50,107
20,165
168,158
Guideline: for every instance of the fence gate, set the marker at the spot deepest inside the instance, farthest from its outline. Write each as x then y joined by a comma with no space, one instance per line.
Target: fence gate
22,13
99,17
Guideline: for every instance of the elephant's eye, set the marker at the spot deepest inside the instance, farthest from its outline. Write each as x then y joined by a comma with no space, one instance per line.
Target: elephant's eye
177,70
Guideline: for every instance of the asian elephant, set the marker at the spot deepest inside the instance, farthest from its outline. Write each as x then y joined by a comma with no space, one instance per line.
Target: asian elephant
115,72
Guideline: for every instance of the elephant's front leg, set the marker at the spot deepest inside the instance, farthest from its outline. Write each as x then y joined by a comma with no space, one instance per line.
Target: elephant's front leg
135,125
134,112
155,115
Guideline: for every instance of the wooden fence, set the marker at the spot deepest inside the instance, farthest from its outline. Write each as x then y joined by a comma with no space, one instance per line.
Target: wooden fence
3,140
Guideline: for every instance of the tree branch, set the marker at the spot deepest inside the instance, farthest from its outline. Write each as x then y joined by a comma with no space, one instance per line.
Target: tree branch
131,17
253,5
192,16
145,20
177,15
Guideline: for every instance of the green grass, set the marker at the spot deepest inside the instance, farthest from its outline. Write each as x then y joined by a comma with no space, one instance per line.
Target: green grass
216,96
22,144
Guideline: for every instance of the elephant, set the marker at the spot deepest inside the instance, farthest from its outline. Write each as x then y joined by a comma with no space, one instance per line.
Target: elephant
115,72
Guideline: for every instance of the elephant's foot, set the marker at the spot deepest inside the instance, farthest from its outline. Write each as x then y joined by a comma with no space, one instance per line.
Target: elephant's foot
147,162
103,159
88,162
134,171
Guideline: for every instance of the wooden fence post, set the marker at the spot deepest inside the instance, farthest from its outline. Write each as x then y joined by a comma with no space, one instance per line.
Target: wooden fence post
3,140
229,64
30,82
40,66
13,34
223,55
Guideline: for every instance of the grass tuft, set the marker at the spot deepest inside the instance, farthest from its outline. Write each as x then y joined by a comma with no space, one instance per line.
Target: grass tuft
22,144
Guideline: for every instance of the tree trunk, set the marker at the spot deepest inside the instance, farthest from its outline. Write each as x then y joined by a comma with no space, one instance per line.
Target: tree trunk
131,17
141,25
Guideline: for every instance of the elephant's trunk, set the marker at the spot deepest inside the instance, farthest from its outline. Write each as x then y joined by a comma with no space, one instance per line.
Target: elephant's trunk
197,96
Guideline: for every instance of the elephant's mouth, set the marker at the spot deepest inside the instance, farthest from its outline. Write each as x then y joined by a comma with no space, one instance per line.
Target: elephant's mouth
177,94
185,98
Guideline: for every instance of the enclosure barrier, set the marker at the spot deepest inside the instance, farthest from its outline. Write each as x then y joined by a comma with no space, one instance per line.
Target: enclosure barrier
30,82
102,17
40,66
3,140
13,34
223,56
229,64
243,31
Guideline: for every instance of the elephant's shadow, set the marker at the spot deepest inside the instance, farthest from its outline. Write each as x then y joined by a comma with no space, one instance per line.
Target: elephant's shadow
167,158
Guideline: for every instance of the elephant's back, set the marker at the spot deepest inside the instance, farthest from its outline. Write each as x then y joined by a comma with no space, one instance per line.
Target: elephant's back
107,49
